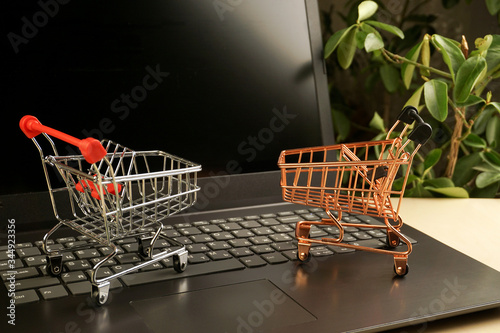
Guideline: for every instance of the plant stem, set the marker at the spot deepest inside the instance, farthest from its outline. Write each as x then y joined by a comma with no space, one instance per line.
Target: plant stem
396,58
455,144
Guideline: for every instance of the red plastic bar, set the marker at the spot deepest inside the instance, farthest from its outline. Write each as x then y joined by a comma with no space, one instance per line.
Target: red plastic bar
91,148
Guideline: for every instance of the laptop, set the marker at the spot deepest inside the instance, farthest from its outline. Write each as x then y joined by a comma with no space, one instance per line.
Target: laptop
228,85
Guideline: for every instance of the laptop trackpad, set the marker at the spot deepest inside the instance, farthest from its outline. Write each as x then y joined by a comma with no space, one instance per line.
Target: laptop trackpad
244,307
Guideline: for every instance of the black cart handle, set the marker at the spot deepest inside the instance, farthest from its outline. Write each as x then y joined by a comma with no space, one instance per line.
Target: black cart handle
422,131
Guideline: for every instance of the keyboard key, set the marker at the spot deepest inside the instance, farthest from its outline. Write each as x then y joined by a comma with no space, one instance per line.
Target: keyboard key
373,243
88,253
260,249
219,255
280,237
221,245
253,261
222,235
77,265
35,261
210,228
274,258
361,235
128,258
53,292
194,270
290,219
240,242
85,287
260,240
250,224
197,258
37,282
244,233
202,238
69,277
268,222
197,248
241,252
230,226
291,254
321,251
262,231
26,296
28,252
284,246
21,273
6,265
190,231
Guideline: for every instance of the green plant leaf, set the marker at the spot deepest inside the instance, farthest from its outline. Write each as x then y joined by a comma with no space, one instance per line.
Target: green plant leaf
473,140
439,182
366,9
464,169
436,99
334,41
425,56
432,158
451,192
487,178
492,158
467,76
493,55
387,27
342,124
495,105
414,100
377,122
347,48
452,55
493,6
397,185
472,100
487,192
390,77
493,131
408,69
483,119
373,42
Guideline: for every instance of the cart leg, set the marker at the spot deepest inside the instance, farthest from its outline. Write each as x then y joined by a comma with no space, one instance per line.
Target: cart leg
146,246
303,251
302,232
180,261
401,265
392,239
100,292
54,264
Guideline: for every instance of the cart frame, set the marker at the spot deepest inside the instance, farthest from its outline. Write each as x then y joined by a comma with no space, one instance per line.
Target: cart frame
354,178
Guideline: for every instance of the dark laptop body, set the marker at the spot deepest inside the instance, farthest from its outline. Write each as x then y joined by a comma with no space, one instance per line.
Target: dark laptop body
343,292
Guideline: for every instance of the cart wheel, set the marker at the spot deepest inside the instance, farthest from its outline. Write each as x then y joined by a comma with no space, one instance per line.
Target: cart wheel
392,240
100,293
54,265
402,271
180,262
303,257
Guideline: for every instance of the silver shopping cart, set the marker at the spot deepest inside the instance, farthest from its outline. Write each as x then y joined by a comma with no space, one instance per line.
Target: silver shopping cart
114,192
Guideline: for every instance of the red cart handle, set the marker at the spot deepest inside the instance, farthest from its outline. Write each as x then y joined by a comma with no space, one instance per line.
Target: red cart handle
91,148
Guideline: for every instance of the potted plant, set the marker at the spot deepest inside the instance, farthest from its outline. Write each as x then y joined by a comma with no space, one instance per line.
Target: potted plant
450,89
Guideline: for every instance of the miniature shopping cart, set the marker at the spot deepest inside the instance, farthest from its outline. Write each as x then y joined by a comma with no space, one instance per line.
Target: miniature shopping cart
113,193
354,178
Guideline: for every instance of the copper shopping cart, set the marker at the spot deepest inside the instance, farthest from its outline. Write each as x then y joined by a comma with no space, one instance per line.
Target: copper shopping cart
354,178
113,192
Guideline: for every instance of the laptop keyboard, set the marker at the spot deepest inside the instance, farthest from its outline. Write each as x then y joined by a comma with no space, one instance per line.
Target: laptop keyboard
214,246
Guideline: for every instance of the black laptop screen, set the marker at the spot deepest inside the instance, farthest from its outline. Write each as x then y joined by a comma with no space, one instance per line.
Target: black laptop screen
227,84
